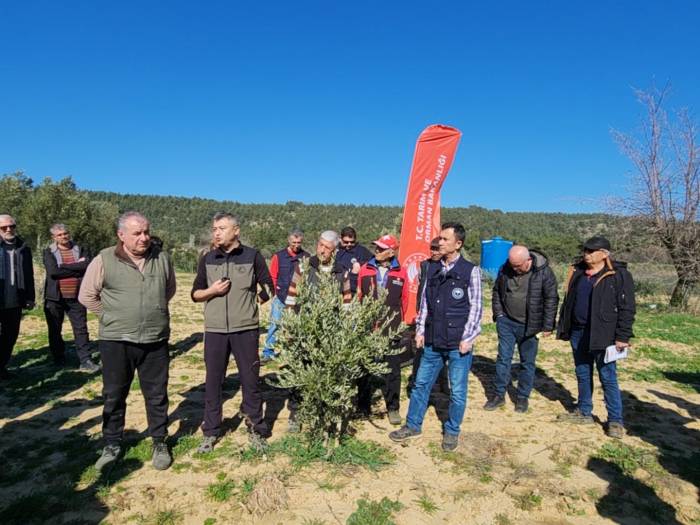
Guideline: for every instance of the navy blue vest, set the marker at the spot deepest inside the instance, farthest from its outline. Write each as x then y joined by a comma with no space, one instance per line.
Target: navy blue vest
285,270
448,303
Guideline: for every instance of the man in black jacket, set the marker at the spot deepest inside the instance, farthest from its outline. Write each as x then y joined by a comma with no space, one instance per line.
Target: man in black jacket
524,303
597,313
65,264
16,288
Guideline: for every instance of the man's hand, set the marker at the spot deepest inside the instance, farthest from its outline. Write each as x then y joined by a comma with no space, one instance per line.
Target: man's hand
546,334
465,347
621,345
420,341
220,287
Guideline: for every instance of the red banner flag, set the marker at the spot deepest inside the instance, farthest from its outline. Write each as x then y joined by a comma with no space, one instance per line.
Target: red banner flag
432,160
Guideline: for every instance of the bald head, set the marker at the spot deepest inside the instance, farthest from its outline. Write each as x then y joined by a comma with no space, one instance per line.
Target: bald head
519,259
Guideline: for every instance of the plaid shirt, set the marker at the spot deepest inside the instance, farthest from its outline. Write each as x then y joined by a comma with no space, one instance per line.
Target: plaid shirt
472,328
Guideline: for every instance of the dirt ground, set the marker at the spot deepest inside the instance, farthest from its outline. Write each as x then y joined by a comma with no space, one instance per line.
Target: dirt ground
510,468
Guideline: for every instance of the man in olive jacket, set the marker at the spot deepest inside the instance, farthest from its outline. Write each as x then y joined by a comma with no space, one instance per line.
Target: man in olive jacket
129,286
524,303
598,312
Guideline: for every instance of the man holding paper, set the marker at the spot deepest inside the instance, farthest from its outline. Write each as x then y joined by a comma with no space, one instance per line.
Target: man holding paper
597,314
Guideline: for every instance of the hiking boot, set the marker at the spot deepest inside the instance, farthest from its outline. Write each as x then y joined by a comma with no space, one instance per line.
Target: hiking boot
394,417
575,417
450,442
110,454
521,405
207,444
257,442
89,366
161,456
495,402
293,425
403,434
615,430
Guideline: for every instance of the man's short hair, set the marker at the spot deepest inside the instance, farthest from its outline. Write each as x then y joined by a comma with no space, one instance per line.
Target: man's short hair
296,232
130,215
456,227
58,227
348,231
330,236
226,215
7,217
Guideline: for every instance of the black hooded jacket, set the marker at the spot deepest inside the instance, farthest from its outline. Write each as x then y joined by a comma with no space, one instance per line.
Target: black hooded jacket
542,295
612,305
24,273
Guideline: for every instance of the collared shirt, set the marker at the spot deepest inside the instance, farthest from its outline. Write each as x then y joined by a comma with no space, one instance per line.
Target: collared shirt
472,328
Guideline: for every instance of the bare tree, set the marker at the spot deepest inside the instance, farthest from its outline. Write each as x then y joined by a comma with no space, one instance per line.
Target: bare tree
666,185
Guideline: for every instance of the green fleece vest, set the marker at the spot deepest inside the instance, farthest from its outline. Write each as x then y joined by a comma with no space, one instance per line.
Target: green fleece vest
134,304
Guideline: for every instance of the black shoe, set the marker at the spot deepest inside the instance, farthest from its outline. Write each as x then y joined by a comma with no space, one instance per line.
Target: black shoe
450,442
521,405
161,455
403,434
89,366
495,402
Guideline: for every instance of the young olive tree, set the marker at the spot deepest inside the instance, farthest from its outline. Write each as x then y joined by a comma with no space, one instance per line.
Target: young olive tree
326,347
666,186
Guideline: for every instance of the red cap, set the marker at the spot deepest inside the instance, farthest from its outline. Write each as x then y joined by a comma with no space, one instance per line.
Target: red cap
387,242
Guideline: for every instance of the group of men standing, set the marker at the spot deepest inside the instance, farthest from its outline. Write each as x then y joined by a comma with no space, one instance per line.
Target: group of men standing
129,286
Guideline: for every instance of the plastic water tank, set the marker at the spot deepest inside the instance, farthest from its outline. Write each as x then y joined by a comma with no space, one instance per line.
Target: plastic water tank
494,252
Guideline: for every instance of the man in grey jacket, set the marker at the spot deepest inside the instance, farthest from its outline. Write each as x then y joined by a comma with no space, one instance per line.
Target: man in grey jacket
227,282
524,303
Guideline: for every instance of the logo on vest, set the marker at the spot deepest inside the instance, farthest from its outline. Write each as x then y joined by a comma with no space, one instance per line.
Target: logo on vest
241,269
457,293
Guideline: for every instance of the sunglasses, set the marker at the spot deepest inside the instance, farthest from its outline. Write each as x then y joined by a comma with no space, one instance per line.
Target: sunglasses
8,227
588,250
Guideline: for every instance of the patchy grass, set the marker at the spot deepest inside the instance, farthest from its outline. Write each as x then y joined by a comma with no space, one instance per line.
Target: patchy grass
528,501
222,489
427,505
668,326
478,456
630,458
374,512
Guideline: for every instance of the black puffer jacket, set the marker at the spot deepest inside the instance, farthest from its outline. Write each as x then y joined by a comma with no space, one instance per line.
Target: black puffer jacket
612,305
542,295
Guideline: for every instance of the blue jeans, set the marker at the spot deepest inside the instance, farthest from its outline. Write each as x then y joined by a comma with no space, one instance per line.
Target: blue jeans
432,361
584,360
275,316
511,333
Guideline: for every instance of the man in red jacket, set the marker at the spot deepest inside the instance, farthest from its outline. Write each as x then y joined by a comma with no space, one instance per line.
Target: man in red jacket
384,270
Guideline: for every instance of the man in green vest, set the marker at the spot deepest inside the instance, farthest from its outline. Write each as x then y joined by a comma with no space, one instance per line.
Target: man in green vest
128,286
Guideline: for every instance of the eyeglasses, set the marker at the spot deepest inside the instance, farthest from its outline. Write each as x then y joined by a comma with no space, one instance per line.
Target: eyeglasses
432,249
379,249
8,227
588,250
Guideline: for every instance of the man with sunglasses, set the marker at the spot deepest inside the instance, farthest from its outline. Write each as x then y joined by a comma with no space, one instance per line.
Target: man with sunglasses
383,270
351,256
597,312
16,288
524,303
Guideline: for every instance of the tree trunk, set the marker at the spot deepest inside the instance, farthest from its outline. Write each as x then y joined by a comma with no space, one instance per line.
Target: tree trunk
681,292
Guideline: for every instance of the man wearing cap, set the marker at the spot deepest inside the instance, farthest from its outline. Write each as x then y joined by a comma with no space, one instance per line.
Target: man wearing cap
524,303
351,255
597,312
16,288
447,326
383,270
282,267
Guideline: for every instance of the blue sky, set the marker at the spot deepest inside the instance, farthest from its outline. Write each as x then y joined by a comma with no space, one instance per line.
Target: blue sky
323,101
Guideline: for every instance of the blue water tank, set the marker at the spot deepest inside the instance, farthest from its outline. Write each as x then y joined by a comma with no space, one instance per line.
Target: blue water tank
494,252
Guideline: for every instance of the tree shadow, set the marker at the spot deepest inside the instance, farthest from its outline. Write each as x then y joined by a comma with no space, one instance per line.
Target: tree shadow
692,408
64,485
274,398
185,345
687,378
37,383
484,368
667,431
629,501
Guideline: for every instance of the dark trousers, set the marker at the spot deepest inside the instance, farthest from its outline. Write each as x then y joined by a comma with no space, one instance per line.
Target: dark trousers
511,333
55,311
439,394
217,350
9,330
391,385
119,361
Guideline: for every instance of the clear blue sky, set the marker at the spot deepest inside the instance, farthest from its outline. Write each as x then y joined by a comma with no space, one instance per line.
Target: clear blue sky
323,101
